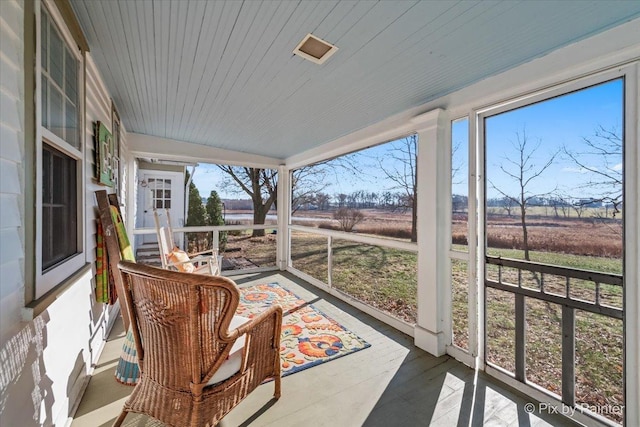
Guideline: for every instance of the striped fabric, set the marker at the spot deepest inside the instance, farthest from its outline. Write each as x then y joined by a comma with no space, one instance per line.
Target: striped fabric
126,252
102,272
127,371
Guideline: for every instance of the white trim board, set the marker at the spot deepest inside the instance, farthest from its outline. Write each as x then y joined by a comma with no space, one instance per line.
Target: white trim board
170,149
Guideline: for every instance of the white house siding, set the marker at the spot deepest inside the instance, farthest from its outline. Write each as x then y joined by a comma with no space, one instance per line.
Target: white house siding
11,167
98,108
45,362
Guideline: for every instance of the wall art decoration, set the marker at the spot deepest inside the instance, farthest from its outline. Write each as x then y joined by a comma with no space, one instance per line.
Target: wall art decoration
105,156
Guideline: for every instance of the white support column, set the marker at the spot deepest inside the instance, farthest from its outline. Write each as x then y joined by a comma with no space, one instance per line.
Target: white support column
477,232
632,247
284,209
433,258
132,197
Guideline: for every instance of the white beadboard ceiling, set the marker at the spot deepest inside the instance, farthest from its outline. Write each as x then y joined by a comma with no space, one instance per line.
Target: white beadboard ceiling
222,73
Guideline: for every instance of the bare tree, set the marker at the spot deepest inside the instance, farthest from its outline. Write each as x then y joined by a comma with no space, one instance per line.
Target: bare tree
309,182
459,202
508,204
559,202
342,199
323,201
348,218
400,167
457,174
523,171
386,199
600,156
579,207
306,183
259,184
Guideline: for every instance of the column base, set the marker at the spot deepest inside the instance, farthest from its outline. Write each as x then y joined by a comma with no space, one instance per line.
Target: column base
429,341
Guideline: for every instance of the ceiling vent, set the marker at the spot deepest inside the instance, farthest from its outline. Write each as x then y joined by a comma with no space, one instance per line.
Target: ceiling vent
315,49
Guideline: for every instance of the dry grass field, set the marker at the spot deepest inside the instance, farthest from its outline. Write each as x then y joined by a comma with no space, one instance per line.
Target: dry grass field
578,236
377,222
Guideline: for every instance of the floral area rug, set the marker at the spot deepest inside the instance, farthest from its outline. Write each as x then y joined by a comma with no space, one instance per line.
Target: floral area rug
309,337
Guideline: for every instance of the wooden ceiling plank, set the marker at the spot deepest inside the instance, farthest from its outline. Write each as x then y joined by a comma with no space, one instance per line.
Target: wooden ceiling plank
203,63
196,26
271,46
230,80
115,60
162,37
142,10
219,55
244,35
254,53
134,46
175,52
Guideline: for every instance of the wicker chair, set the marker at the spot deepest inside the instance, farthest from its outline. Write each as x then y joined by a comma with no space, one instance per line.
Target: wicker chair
197,359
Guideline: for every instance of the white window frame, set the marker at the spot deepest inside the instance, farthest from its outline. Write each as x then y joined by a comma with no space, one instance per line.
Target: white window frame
46,281
468,355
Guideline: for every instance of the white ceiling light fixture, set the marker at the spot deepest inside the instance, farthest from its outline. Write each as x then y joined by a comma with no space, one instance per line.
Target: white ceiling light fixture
314,49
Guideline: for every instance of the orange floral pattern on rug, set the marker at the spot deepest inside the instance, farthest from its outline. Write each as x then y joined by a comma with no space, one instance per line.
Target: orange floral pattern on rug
309,337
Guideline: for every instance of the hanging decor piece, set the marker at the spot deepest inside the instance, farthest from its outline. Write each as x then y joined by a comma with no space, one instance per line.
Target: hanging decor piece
106,160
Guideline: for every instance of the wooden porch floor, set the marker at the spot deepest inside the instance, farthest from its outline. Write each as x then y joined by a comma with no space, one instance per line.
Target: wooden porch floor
392,383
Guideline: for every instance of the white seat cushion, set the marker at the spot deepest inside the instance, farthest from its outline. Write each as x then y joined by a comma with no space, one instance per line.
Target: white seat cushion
234,361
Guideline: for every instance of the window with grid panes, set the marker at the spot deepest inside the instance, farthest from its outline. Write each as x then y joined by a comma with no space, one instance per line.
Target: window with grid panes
61,148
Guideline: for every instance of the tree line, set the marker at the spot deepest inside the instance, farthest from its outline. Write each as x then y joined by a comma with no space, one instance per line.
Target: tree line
554,205
359,199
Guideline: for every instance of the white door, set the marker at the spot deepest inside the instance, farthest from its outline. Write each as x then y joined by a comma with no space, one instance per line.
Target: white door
161,192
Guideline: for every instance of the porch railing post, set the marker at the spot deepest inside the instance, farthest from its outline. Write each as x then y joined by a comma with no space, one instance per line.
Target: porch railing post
520,337
330,261
216,239
568,355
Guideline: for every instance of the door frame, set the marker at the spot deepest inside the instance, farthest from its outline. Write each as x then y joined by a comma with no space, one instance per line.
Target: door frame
177,201
630,274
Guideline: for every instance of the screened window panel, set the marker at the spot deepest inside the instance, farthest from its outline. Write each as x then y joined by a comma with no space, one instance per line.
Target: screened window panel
45,102
56,57
60,93
55,112
59,207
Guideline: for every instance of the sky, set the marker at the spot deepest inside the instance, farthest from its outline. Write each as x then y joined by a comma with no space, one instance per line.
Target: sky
549,125
553,124
208,177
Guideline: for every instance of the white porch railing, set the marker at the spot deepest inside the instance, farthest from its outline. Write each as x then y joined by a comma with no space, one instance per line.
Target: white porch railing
326,279
215,239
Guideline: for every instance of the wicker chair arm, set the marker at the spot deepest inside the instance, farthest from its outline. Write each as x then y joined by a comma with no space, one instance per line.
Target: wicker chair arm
263,317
